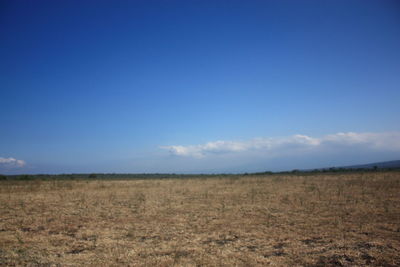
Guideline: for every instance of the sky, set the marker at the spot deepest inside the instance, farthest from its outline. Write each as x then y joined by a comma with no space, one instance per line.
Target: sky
197,86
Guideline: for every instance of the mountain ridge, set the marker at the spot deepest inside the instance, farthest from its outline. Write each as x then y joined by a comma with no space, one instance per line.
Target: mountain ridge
392,164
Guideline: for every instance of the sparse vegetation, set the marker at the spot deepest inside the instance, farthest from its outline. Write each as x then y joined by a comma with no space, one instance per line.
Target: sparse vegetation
325,219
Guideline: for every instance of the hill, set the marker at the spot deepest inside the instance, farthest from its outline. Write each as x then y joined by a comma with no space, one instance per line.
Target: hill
394,164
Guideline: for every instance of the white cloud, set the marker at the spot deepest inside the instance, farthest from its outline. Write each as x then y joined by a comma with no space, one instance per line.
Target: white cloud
385,141
11,162
378,141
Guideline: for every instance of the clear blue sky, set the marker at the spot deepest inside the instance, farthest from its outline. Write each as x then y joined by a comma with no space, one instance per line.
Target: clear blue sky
120,86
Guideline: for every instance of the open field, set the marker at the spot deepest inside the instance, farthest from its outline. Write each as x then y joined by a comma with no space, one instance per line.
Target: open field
318,220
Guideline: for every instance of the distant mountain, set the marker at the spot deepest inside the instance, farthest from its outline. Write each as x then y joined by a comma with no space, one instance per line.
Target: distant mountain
394,164
381,165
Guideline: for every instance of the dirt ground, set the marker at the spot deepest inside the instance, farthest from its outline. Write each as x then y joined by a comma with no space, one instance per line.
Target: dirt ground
317,220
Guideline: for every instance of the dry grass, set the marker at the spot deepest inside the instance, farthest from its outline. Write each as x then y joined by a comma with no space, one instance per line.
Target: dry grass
320,220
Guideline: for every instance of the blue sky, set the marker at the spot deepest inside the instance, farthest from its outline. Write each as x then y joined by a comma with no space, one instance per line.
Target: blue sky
197,86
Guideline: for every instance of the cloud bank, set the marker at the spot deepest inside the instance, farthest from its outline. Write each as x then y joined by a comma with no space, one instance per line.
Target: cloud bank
11,162
387,141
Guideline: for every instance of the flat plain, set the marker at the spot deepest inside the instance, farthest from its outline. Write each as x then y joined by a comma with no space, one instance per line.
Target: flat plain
278,220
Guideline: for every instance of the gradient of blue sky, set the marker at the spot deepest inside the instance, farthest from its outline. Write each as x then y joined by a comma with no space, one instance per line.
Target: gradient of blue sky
102,86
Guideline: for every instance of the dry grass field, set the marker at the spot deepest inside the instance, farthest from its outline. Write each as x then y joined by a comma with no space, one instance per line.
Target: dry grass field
316,220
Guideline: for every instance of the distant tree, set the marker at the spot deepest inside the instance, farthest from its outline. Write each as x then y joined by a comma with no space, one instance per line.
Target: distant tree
375,168
25,177
92,175
3,177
